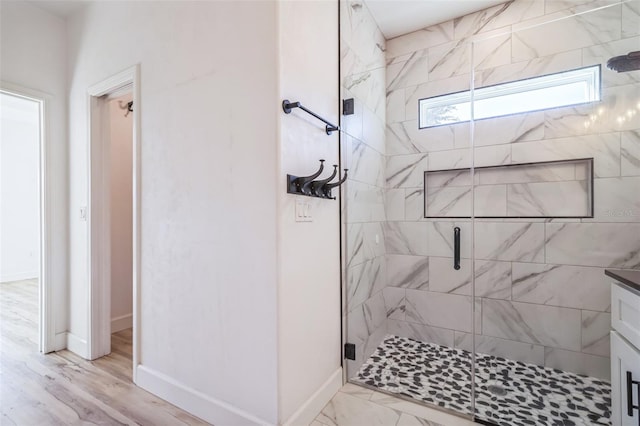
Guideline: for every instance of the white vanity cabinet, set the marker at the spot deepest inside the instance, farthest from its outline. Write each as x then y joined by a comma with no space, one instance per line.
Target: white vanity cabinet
625,356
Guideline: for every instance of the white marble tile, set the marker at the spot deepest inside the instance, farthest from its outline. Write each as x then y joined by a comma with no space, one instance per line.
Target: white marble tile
561,285
490,201
574,5
367,165
604,148
406,171
363,331
316,423
360,32
492,52
409,420
421,332
509,129
451,159
577,362
364,280
528,323
630,19
374,244
421,39
630,153
398,142
345,410
528,173
493,279
454,201
530,68
365,203
406,238
394,204
408,271
413,71
601,53
373,129
395,106
431,138
509,241
440,238
485,156
595,333
450,178
394,302
444,279
497,17
414,204
448,60
368,87
509,349
614,245
419,411
614,113
547,35
617,199
357,391
549,199
444,310
354,244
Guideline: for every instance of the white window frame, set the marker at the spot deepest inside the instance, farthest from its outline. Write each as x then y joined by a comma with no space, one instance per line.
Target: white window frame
590,75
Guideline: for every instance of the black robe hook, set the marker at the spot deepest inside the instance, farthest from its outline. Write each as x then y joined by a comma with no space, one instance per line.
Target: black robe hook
326,188
301,184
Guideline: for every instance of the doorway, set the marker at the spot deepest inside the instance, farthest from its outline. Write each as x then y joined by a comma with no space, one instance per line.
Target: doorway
113,217
22,255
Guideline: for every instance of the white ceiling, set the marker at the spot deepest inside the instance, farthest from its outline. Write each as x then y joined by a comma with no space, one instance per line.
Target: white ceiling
394,17
397,17
61,8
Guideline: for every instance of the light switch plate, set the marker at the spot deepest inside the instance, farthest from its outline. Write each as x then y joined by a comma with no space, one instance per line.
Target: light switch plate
303,211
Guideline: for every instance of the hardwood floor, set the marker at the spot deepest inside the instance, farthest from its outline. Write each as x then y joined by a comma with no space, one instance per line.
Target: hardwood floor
62,388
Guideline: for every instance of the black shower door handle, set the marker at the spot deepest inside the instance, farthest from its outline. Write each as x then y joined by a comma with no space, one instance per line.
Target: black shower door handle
630,405
456,248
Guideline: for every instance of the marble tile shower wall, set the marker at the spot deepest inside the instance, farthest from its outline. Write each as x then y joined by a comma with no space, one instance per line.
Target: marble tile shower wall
362,50
541,295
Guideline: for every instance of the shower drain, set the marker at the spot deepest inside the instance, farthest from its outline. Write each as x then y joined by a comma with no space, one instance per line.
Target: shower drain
497,390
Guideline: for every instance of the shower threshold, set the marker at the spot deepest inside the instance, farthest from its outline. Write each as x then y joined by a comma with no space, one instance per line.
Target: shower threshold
508,393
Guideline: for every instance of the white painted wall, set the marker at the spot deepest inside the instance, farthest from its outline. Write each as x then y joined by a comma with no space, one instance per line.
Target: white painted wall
33,55
208,138
309,252
19,188
121,185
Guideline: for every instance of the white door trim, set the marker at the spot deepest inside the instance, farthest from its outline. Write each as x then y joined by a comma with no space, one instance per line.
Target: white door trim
46,323
99,295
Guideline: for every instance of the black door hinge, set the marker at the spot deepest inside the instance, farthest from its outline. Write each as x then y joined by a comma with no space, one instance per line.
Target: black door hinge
350,351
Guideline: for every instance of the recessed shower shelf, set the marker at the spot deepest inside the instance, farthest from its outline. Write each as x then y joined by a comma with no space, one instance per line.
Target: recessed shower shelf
545,190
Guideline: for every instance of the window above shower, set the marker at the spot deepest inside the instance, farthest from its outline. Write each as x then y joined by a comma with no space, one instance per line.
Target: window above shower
549,91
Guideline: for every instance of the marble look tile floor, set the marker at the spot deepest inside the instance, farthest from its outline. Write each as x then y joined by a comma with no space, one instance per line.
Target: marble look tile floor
508,393
355,405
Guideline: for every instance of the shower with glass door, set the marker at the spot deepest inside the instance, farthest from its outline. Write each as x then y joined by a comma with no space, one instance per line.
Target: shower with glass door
494,170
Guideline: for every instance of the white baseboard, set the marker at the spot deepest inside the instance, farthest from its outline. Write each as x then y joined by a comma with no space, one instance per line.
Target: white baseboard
18,276
60,341
312,407
121,323
77,345
207,408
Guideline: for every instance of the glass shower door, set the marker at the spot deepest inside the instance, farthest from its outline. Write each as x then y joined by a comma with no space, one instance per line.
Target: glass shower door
408,297
555,204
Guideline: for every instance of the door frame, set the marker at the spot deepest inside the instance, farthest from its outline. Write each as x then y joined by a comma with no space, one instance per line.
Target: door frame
46,316
98,227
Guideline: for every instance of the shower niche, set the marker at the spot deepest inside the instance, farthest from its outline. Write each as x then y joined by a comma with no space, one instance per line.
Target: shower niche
543,202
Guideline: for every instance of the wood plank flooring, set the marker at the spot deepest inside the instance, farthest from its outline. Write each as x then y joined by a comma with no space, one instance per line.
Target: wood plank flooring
62,388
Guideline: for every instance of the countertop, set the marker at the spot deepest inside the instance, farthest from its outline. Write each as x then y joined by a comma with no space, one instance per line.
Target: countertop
630,278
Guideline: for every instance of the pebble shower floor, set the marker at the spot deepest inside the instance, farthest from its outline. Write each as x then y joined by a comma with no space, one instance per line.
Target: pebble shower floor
508,393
